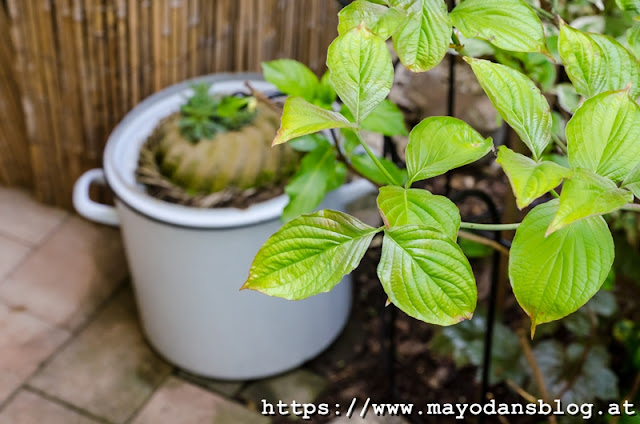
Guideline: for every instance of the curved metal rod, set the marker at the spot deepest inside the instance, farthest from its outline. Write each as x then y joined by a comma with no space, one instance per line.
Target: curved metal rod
491,312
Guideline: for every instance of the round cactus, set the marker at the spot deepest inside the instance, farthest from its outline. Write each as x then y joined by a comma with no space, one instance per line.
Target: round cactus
218,144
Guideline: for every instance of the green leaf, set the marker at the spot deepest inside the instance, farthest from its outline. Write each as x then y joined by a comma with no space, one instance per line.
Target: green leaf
291,77
555,275
597,63
381,20
508,24
473,249
399,206
426,275
361,71
325,95
365,165
308,143
301,118
386,119
439,144
518,101
632,182
568,97
586,194
351,141
422,40
603,135
629,5
319,173
529,179
309,255
633,40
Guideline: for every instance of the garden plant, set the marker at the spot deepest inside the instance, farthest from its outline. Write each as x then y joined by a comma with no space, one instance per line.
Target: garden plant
563,250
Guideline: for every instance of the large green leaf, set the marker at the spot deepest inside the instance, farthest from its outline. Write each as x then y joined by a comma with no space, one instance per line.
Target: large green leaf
441,143
291,77
399,206
422,40
632,182
508,24
300,117
426,275
529,179
309,255
633,40
603,135
381,20
365,165
319,173
555,275
361,71
518,101
597,63
386,119
629,5
586,194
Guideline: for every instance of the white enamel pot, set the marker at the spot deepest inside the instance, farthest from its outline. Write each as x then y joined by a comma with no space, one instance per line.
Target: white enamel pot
188,264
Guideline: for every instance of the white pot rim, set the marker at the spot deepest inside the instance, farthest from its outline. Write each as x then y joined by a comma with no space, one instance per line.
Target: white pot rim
123,147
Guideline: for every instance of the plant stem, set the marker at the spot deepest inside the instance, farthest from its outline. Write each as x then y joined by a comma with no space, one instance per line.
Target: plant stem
522,392
375,159
457,45
489,227
631,207
342,158
485,241
537,373
544,13
560,144
554,193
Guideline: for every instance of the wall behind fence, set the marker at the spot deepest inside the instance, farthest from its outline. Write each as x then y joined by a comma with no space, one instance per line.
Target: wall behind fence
71,69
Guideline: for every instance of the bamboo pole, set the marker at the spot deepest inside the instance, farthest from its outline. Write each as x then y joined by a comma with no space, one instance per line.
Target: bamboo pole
80,65
15,166
134,51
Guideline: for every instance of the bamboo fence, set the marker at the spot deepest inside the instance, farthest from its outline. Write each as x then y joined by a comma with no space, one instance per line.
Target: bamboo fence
71,69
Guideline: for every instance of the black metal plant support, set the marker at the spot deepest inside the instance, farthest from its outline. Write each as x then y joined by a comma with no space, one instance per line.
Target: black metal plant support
389,313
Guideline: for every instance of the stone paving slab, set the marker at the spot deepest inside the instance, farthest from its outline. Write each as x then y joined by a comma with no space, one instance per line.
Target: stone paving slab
25,342
69,275
108,369
24,218
300,385
370,419
12,252
29,408
178,402
225,388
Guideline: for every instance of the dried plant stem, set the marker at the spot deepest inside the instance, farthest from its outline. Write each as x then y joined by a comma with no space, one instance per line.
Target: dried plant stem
522,392
485,241
537,373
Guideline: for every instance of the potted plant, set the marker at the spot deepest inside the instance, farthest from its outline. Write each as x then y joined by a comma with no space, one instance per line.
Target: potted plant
563,249
173,157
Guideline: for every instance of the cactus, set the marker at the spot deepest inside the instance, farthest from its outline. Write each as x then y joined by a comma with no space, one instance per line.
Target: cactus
218,144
